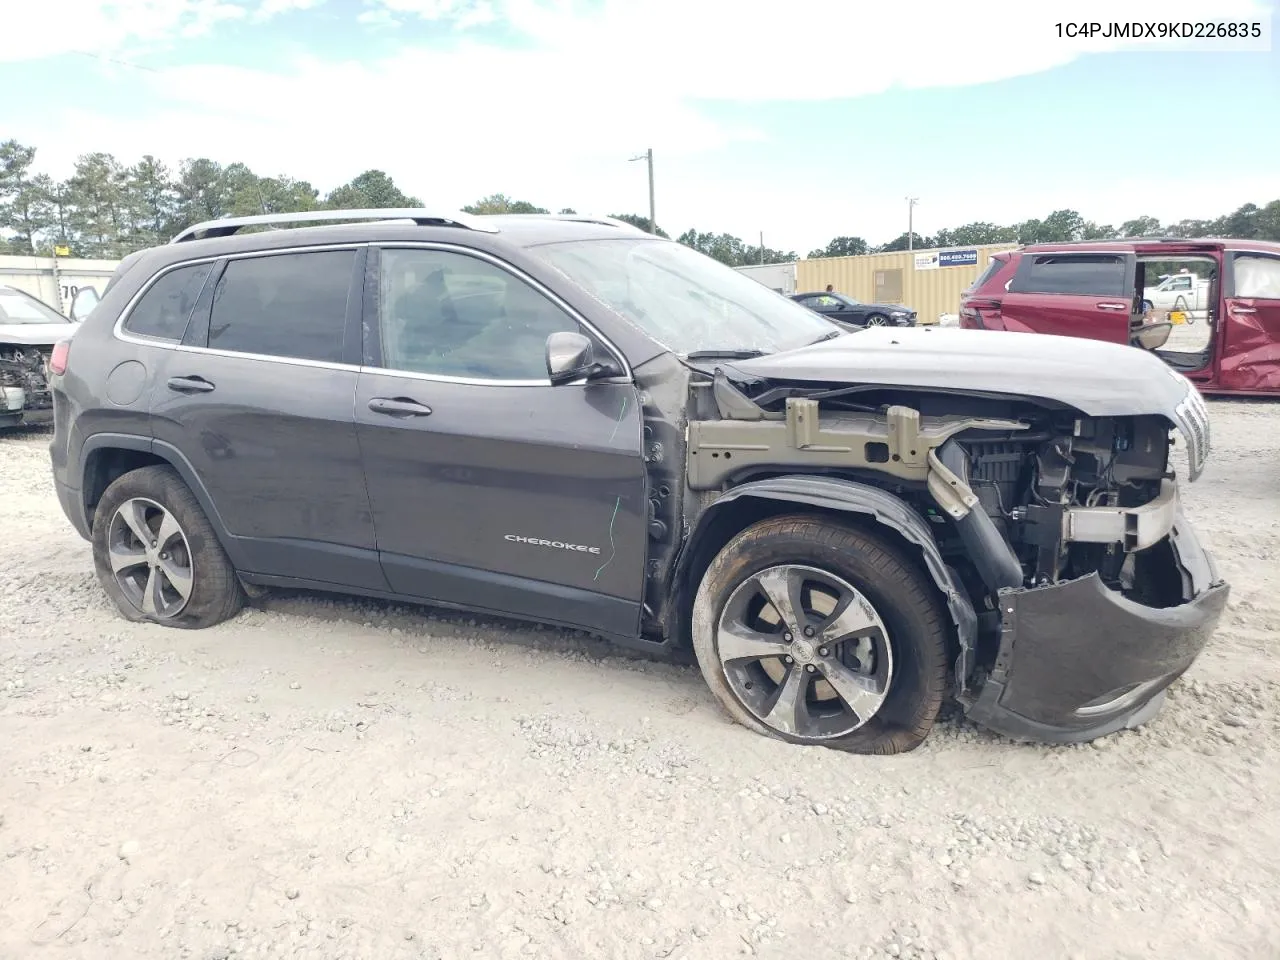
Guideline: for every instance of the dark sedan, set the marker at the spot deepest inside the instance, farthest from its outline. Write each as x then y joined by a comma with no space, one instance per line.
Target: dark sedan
846,310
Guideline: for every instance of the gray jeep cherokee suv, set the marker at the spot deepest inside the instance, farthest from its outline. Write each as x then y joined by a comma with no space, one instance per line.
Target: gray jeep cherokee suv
569,421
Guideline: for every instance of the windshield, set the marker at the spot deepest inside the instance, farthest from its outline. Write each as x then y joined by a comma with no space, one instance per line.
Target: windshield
17,307
686,301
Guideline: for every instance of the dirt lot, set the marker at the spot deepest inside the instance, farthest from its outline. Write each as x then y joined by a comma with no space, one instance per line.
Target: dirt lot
323,778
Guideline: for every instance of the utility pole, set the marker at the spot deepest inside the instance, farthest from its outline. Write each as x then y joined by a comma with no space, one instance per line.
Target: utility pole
911,235
761,248
647,156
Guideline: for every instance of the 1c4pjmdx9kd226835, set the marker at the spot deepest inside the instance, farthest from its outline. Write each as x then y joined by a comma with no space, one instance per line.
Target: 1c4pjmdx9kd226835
569,421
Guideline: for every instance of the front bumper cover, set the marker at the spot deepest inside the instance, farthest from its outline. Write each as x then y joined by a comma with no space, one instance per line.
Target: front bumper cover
1077,660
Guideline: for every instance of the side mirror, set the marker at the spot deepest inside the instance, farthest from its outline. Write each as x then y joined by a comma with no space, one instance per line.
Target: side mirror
1152,336
83,302
568,357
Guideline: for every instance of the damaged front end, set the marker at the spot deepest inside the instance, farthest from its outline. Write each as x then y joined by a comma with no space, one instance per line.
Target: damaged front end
1063,535
1115,597
25,396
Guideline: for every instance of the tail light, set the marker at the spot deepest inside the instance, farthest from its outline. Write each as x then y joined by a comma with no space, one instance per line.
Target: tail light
58,359
972,315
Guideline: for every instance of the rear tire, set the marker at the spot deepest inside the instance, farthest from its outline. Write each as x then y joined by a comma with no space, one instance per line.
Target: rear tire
157,556
892,663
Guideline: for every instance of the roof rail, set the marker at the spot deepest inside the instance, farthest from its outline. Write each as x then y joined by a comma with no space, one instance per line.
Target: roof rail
228,226
576,218
1068,243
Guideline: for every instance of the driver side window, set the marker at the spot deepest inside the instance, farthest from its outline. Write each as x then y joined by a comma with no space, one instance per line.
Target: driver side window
454,315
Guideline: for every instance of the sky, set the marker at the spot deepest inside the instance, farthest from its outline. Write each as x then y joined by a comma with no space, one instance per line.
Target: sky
802,121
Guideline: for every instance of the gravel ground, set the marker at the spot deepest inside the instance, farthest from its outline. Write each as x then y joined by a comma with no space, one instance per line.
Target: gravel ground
329,778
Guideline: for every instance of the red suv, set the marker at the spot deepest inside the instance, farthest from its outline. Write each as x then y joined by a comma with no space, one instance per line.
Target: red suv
1221,328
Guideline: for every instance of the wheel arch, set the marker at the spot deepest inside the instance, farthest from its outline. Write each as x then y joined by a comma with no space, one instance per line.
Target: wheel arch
757,500
105,457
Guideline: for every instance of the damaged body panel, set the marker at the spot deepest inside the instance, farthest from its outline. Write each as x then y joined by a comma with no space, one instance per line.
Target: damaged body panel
28,331
1052,680
1090,588
24,388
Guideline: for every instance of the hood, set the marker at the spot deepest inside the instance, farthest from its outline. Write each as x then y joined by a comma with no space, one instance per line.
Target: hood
1096,378
36,334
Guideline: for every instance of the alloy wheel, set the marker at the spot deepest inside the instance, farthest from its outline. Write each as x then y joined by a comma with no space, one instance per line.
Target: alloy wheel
805,652
150,558
875,321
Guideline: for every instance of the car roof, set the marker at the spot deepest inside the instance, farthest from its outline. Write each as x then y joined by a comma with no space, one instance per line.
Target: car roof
219,238
1147,245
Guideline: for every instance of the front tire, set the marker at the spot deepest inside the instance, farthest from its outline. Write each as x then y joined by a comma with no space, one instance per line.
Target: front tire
157,556
815,632
877,320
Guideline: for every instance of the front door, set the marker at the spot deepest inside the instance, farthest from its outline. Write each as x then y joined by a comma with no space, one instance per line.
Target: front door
1250,341
1072,295
491,488
258,401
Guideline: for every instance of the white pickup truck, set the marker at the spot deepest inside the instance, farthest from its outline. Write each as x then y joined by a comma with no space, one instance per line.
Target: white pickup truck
1180,291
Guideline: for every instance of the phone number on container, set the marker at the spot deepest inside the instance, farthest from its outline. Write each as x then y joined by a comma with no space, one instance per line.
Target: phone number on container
1162,31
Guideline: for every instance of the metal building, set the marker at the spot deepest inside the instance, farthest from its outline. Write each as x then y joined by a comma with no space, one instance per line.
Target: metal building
930,282
776,276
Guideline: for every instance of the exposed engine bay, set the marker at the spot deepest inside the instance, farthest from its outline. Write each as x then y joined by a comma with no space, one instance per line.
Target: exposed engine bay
24,385
1069,498
1019,493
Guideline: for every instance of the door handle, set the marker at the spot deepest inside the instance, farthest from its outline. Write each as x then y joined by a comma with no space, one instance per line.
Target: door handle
1236,309
399,407
1113,306
190,384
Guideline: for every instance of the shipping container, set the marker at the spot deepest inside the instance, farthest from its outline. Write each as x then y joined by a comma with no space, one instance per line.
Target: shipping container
55,280
930,282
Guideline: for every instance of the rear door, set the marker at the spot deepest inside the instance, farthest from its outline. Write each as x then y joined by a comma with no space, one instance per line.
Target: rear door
1072,294
257,403
490,487
1250,342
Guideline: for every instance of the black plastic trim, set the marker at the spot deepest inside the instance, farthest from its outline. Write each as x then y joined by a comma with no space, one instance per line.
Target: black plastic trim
468,588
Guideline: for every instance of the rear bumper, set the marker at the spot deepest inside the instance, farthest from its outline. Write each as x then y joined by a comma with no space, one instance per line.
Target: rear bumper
1077,660
72,504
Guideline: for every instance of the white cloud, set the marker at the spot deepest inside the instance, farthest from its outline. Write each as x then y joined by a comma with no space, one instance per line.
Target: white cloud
273,8
35,30
555,120
460,13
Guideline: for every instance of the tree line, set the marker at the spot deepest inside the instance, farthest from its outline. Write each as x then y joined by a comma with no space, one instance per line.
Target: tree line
107,209
1249,222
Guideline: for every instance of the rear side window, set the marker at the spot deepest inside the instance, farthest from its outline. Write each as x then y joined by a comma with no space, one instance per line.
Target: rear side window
166,307
1086,275
991,270
1257,278
289,305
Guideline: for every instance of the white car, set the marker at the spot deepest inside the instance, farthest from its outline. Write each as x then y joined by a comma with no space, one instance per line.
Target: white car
28,331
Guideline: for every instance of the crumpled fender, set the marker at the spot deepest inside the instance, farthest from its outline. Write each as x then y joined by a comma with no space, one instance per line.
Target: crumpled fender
847,496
